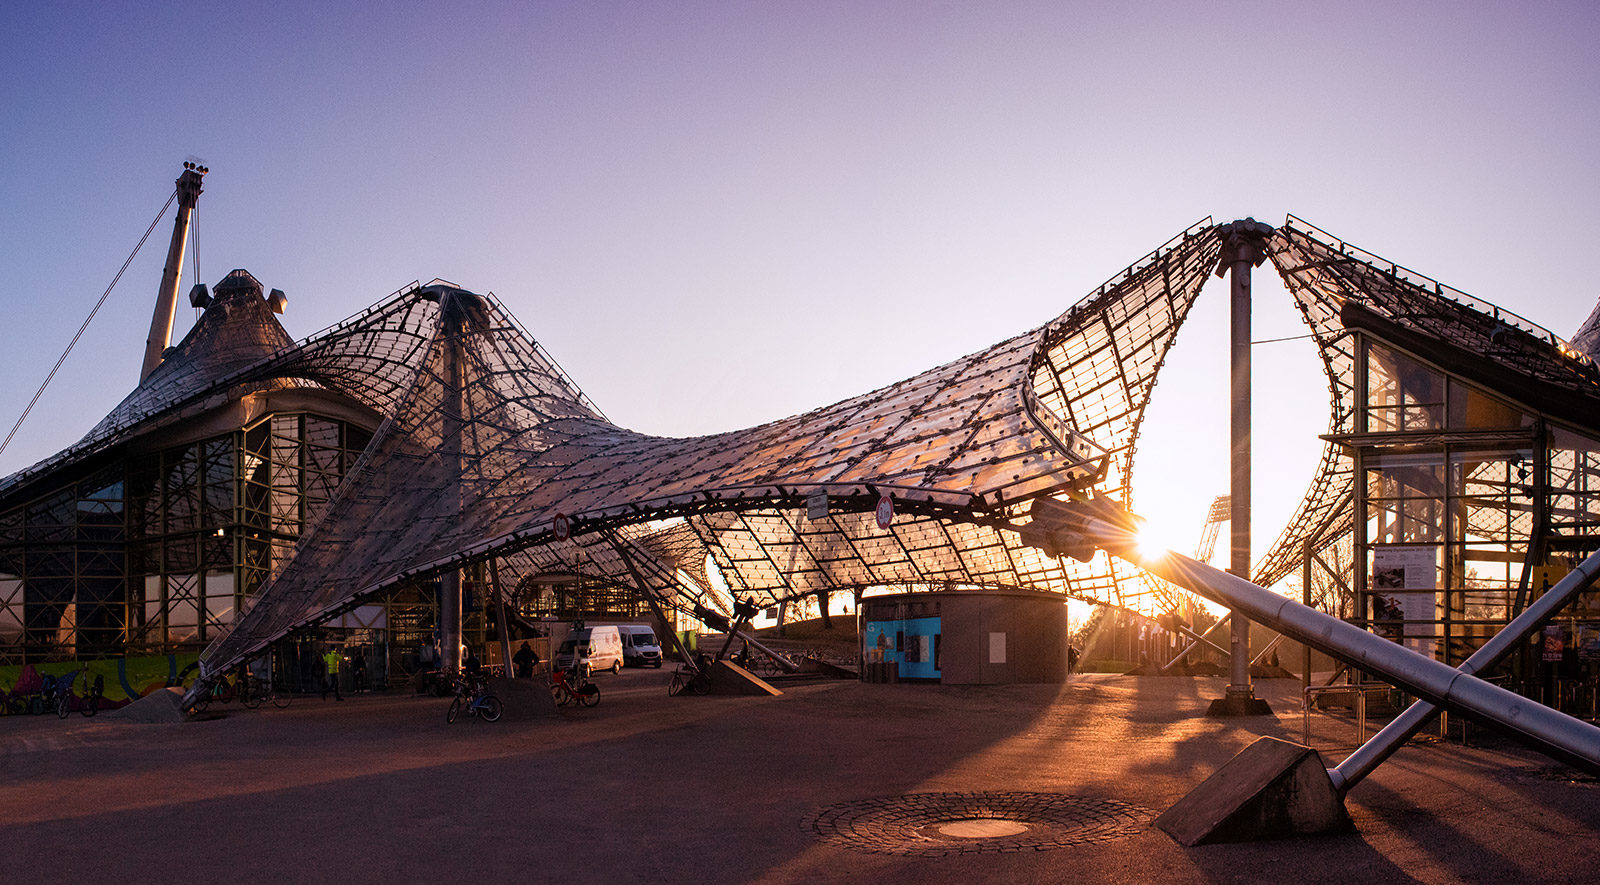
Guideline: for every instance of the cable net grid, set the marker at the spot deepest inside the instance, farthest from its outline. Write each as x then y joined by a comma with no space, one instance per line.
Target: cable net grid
490,441
1334,284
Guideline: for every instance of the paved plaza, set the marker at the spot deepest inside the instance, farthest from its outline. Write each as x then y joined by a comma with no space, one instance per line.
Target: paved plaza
834,781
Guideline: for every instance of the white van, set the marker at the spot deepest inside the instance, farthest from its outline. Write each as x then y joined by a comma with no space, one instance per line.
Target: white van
639,646
596,648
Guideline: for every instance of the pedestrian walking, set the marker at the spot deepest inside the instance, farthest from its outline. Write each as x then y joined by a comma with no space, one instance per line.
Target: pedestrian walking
331,662
525,660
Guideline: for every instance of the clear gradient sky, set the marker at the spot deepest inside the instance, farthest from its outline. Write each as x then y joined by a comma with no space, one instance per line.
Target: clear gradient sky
720,214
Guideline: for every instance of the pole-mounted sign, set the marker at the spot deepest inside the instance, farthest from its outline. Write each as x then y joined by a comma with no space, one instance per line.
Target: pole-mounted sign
562,526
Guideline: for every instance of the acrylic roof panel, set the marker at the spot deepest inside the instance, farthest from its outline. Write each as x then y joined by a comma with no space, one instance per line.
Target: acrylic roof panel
1587,338
489,442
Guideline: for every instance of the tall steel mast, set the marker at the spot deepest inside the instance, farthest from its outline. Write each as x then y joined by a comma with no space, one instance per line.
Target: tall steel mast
167,297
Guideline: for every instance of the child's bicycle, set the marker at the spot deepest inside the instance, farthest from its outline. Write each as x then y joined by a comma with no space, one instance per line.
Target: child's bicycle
473,697
567,686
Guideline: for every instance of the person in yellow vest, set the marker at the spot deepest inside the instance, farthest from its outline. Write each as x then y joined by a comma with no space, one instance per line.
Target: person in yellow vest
331,661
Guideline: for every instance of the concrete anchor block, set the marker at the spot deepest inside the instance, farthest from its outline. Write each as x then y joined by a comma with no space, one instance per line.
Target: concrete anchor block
1236,705
730,678
1273,790
524,698
819,666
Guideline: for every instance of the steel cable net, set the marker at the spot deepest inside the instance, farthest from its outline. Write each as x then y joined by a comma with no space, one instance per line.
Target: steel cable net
1336,285
238,347
490,442
238,330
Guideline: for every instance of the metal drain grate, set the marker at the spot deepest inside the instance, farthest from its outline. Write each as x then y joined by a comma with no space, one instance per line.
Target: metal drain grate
937,824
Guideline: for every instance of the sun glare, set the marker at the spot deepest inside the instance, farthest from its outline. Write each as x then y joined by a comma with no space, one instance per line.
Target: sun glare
1155,541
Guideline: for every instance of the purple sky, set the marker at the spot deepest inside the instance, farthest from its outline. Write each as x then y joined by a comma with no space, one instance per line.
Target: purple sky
716,215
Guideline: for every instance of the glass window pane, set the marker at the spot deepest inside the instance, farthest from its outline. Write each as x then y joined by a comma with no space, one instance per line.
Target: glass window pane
1472,409
219,598
10,610
1402,394
181,490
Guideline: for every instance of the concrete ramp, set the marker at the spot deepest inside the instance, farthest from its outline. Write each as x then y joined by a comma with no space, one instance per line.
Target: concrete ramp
162,706
832,671
729,678
1272,790
524,699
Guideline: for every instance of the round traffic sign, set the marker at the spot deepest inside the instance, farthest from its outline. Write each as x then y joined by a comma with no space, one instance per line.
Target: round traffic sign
885,511
563,527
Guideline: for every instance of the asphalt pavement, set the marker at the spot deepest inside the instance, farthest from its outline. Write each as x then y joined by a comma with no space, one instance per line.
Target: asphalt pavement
830,782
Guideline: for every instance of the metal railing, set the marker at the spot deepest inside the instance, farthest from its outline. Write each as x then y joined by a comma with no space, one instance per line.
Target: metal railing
1314,692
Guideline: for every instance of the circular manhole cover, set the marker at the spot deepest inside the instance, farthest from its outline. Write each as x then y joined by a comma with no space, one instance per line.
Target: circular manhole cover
934,824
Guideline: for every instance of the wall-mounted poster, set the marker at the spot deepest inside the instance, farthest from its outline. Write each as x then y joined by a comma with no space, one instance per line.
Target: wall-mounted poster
1405,568
1404,583
1589,643
911,642
1555,643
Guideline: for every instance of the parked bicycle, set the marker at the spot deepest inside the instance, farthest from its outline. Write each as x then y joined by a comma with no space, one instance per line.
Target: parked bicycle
223,691
766,667
569,686
62,692
693,676
473,697
93,691
255,691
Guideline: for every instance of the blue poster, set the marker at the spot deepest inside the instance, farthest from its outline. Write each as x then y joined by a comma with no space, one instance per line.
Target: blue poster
912,643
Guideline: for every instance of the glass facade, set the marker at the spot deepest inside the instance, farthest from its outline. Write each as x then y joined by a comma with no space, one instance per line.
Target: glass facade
62,571
1468,505
160,551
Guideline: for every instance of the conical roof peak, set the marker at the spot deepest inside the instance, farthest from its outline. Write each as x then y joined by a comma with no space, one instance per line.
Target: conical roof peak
238,281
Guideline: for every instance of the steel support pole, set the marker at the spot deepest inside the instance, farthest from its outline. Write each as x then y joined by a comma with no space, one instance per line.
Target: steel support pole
1243,248
1414,718
500,608
783,663
1239,466
1195,640
450,621
649,595
1305,599
450,614
1184,652
1204,638
1262,655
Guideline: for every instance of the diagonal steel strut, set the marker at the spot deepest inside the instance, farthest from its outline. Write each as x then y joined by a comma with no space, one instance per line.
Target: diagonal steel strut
1104,524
